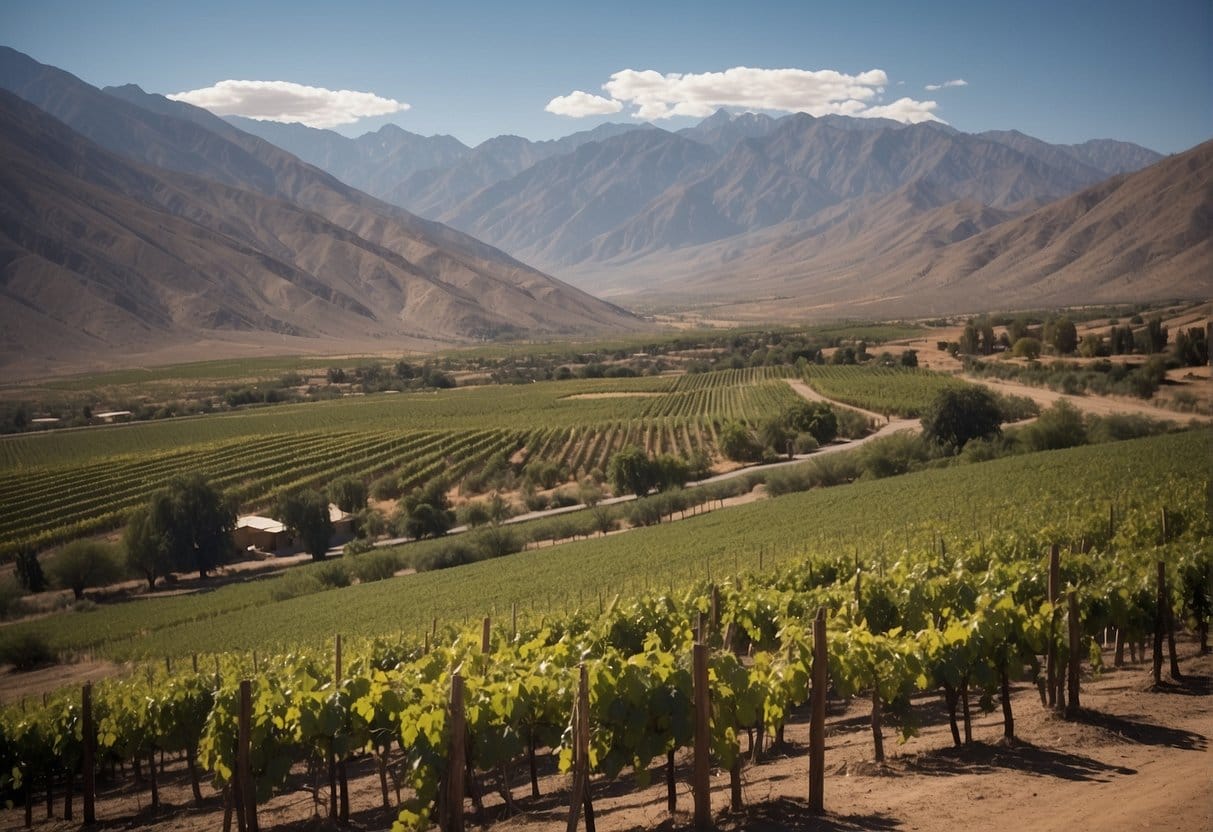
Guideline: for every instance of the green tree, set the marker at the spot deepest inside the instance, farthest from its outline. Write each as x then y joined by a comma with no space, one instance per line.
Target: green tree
82,564
958,414
1065,336
815,418
29,571
632,472
1026,347
738,443
144,540
196,522
427,510
969,339
1061,426
307,513
348,493
774,433
671,471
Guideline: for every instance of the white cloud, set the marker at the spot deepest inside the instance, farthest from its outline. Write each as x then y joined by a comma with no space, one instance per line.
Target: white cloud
578,104
905,110
958,82
289,102
654,95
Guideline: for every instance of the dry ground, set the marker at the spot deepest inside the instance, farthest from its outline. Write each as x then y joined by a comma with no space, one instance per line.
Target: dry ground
1137,758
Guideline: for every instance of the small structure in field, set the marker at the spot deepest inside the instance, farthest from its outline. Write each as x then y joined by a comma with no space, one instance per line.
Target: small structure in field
110,416
265,534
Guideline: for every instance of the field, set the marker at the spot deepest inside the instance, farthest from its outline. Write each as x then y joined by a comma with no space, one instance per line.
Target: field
892,391
964,505
62,485
952,569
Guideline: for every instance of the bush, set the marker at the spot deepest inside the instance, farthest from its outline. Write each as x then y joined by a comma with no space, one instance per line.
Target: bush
738,443
331,575
386,487
1061,426
563,497
805,443
790,480
852,424
1016,408
27,651
373,566
893,455
295,584
10,598
958,414
1118,426
29,571
83,564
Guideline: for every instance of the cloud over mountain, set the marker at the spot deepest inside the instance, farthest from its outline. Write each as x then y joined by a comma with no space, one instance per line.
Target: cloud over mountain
289,102
578,104
655,95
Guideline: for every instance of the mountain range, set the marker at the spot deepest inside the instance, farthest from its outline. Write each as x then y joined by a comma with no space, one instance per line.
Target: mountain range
771,217
137,228
133,225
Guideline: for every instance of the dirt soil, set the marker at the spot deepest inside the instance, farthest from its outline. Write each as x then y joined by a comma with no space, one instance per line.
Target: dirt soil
1136,758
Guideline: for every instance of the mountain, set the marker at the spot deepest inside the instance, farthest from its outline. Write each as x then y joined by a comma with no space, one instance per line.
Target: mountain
1141,236
424,174
1101,157
552,209
374,162
142,229
439,190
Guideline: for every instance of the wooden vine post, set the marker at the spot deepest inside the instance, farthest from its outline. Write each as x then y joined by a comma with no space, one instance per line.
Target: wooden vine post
248,791
817,738
1160,621
1051,657
486,628
343,783
580,797
451,812
90,753
701,774
1075,639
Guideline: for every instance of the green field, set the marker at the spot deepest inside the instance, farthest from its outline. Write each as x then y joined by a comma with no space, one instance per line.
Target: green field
1060,494
895,391
66,484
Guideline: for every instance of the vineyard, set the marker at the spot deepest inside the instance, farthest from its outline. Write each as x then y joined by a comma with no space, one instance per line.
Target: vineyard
895,391
959,613
963,504
55,488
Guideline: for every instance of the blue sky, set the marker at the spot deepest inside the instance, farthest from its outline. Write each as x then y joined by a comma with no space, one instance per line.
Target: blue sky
1062,71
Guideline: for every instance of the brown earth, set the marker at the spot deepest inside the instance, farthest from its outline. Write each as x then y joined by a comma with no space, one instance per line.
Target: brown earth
1136,758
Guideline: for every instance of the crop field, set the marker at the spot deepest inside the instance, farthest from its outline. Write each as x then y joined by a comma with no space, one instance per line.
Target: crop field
1009,504
55,487
895,391
946,582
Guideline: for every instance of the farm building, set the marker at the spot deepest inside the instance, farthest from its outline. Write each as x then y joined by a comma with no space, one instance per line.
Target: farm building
265,534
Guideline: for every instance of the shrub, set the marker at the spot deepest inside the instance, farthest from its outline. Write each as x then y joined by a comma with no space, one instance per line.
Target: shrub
10,598
1061,426
331,575
1117,426
738,443
386,487
893,455
958,414
805,443
373,566
295,584
27,651
83,564
852,424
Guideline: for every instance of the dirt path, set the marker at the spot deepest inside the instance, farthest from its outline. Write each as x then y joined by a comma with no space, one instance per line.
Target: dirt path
1098,405
892,426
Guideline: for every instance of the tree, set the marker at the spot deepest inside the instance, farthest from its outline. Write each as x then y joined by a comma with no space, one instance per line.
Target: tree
1061,426
427,510
147,551
307,512
83,564
1026,347
958,414
738,444
909,358
773,433
670,471
348,493
632,472
29,571
1065,336
969,339
196,522
815,418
